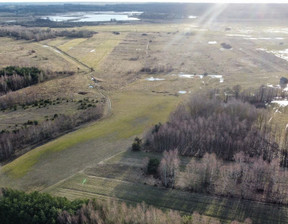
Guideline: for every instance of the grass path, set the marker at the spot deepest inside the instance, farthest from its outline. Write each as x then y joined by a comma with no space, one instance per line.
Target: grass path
56,160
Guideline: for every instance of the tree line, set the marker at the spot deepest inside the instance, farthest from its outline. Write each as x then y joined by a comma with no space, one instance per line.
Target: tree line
13,143
13,78
209,125
246,178
41,208
37,34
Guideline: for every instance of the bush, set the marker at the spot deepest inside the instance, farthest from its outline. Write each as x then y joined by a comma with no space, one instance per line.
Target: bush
137,144
152,167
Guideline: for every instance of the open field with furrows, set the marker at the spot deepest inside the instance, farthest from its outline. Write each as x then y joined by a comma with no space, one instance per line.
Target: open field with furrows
90,51
121,177
60,166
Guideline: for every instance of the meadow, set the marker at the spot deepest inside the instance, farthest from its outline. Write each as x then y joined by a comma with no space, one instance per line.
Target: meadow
146,70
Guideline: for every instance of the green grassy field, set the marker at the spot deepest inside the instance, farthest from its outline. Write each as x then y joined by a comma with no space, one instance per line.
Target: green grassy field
132,113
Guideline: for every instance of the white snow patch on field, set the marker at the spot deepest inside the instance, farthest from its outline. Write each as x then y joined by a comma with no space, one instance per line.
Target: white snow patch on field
212,42
57,51
281,103
92,50
237,35
220,77
280,54
152,79
191,76
182,92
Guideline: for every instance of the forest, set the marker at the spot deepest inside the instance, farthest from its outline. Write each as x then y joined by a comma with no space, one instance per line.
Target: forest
210,125
36,34
13,143
13,78
234,151
41,208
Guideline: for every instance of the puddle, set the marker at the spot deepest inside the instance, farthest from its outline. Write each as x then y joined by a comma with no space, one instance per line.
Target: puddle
152,79
182,92
212,42
94,16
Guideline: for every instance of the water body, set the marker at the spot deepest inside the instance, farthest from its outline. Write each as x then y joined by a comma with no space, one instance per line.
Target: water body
94,17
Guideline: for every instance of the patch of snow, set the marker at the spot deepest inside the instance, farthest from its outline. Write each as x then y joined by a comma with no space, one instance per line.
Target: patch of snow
285,89
189,76
270,85
45,46
281,30
281,103
212,42
220,77
279,38
152,79
264,38
186,76
261,49
237,35
182,92
192,17
56,51
280,54
251,38
92,50
91,87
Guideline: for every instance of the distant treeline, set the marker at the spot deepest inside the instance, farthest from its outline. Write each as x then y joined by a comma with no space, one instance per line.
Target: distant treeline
13,143
13,78
41,208
152,11
37,34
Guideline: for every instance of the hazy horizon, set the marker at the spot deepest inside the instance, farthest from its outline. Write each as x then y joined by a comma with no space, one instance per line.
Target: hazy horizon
149,1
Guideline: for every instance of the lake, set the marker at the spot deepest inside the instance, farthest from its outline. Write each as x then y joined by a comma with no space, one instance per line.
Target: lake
94,16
